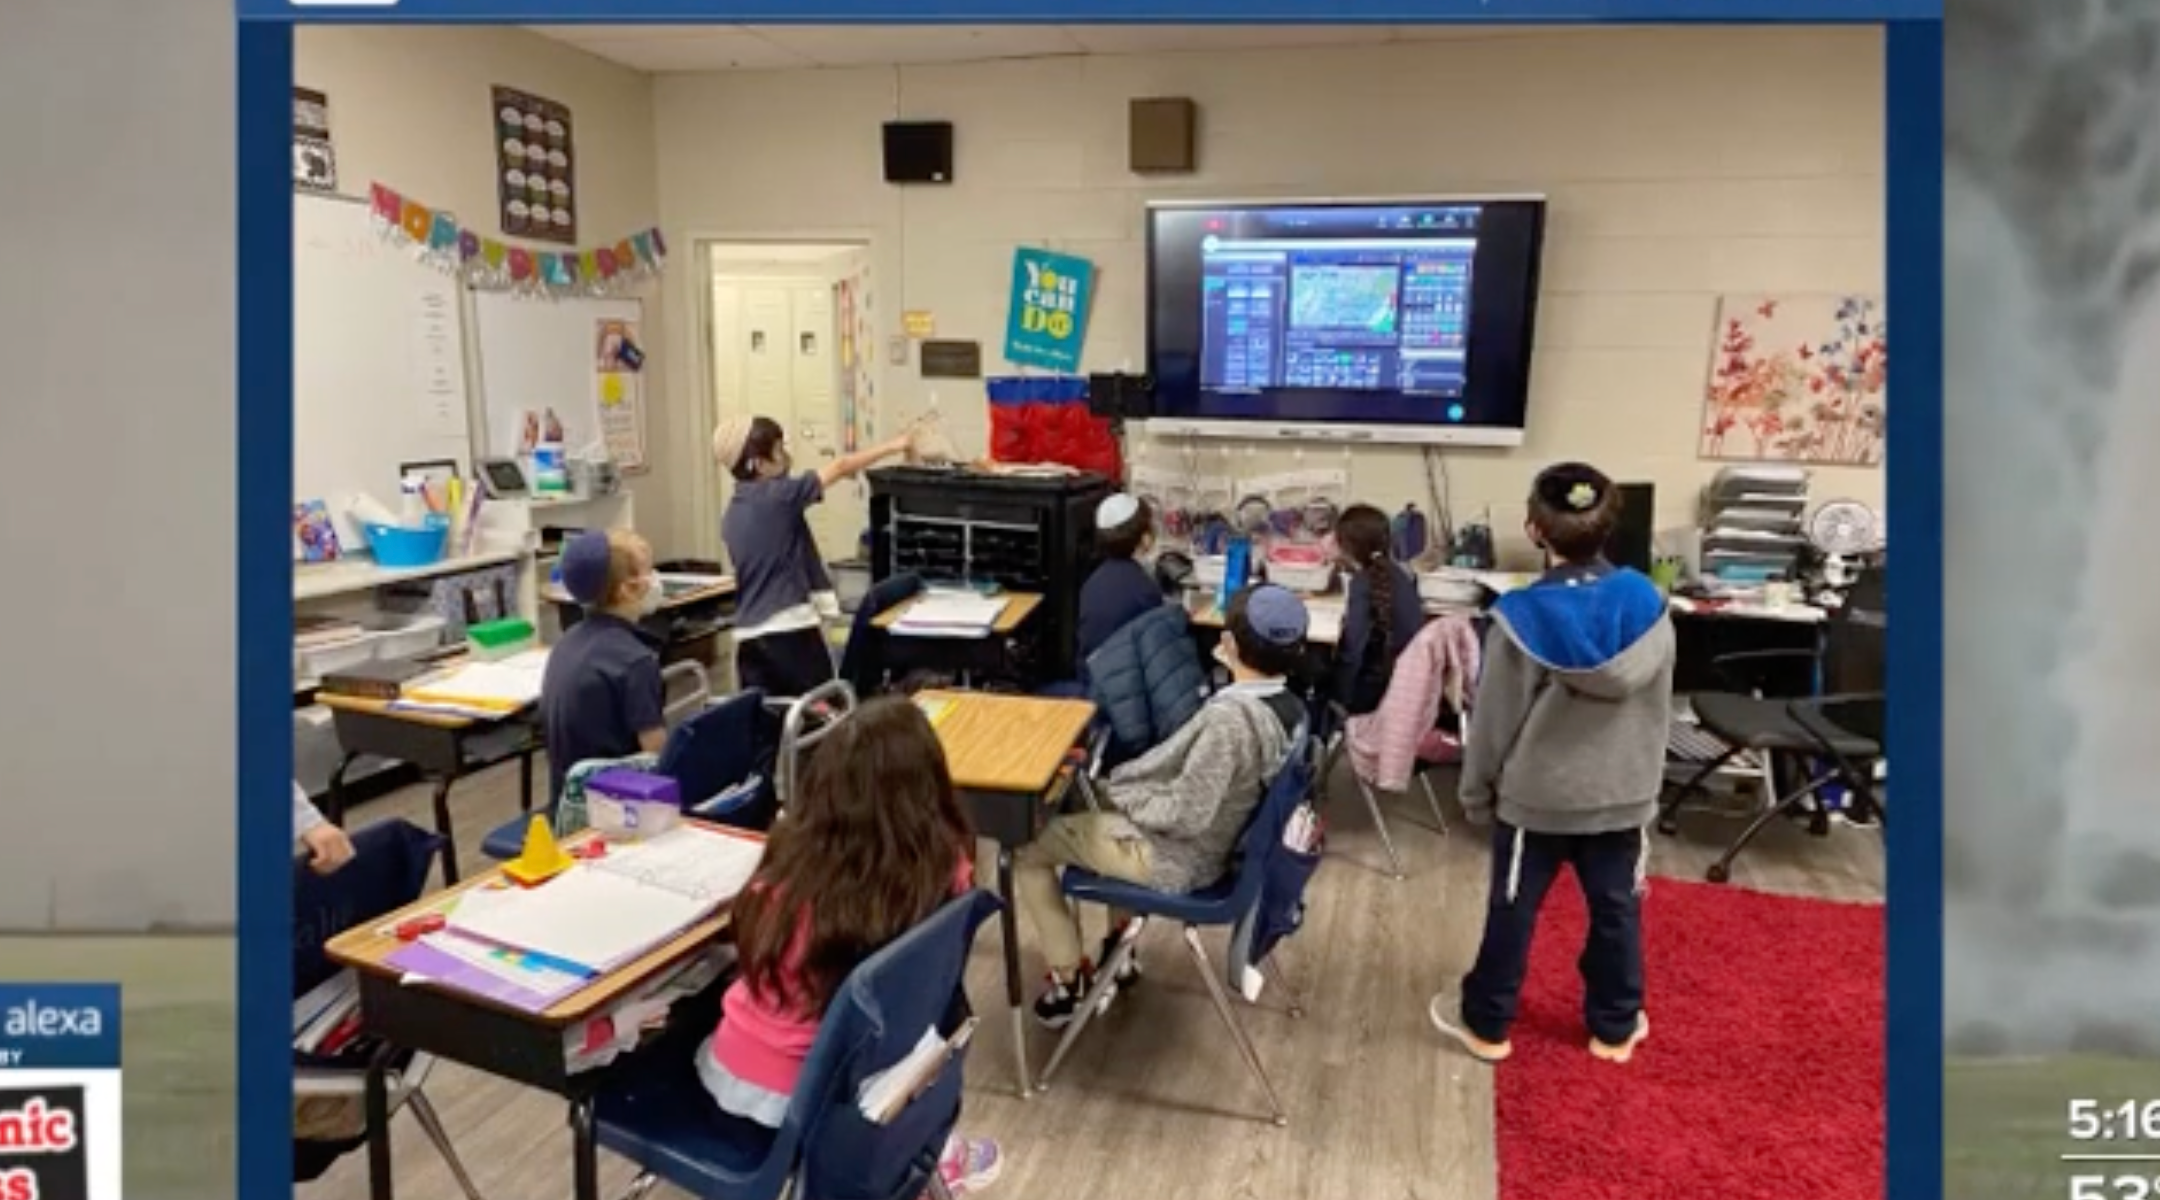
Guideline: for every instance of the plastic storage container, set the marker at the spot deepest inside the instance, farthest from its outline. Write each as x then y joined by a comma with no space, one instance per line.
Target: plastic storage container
386,638
396,548
499,639
629,805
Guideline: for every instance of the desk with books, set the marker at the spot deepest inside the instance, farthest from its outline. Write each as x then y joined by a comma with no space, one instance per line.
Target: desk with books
445,742
519,1039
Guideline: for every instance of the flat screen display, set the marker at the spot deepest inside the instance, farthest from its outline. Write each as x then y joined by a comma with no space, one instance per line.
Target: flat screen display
1408,318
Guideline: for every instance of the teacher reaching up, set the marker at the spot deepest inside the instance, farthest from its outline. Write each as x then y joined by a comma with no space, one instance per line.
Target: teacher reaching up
782,591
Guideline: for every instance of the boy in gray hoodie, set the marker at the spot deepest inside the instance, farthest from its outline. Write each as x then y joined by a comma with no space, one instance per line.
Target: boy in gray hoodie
1175,813
1566,756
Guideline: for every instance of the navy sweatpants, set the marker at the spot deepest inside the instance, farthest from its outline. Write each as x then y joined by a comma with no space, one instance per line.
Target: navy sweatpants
1609,867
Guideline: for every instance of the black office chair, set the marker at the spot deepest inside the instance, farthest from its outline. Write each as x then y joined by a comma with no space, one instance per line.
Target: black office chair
1808,738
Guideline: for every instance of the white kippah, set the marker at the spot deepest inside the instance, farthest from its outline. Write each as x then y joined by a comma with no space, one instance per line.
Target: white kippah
1116,509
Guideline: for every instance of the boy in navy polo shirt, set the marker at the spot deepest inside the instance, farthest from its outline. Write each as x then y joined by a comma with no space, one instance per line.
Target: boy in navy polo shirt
602,696
1119,589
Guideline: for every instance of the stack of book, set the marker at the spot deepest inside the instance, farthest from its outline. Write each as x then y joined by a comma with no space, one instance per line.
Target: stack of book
327,1018
1752,524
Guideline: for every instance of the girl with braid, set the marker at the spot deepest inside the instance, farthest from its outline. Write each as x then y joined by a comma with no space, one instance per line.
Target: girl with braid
1381,612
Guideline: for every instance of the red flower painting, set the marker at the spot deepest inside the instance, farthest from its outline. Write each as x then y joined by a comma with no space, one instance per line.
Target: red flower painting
1797,379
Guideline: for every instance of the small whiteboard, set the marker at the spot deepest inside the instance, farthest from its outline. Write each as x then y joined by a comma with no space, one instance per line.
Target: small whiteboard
378,361
539,355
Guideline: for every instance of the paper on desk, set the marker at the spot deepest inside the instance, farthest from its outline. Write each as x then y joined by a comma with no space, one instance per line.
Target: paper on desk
1323,624
953,608
698,864
503,686
595,919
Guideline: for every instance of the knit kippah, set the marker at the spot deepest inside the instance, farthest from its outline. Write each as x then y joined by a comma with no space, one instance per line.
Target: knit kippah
585,568
1276,614
728,439
1571,487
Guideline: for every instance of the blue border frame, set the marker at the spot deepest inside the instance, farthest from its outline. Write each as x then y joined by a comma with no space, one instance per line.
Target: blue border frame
1914,92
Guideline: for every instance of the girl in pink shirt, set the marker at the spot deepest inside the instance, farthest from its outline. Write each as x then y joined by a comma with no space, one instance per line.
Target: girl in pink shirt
873,842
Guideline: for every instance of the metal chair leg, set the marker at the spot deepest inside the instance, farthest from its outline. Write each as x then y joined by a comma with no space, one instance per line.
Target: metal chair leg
423,1111
641,1187
1668,818
1372,805
1221,996
1425,781
1272,969
1721,870
1090,1004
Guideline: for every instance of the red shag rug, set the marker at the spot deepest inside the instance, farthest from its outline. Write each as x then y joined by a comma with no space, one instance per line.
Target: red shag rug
1762,1075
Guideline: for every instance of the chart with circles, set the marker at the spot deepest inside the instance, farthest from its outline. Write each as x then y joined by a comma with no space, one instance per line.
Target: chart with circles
534,167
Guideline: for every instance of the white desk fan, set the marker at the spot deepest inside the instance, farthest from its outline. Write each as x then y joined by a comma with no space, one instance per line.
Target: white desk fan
1842,530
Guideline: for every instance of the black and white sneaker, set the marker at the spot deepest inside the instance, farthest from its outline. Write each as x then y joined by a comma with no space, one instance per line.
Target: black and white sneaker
1129,974
1060,999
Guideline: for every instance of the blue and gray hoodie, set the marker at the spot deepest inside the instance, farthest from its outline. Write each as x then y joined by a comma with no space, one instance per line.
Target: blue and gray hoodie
1573,706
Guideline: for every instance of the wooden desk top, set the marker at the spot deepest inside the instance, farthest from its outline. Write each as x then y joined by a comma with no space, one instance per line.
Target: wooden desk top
719,590
1326,617
364,949
996,743
382,708
1019,606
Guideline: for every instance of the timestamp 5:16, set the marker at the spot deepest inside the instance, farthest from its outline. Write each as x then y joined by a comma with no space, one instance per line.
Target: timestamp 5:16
2125,1121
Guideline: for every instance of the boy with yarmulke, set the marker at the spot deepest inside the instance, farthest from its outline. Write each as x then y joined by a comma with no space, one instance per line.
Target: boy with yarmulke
1119,589
1565,757
601,696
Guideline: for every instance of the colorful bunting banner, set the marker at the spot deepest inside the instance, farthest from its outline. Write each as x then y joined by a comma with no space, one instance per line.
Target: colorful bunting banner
440,242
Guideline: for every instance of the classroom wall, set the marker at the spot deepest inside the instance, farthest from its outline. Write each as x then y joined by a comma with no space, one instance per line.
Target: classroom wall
1681,164
409,107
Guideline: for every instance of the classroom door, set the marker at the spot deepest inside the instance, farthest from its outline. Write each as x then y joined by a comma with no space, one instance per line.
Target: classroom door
773,356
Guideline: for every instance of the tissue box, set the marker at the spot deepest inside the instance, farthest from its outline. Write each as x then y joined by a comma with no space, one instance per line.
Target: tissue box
629,805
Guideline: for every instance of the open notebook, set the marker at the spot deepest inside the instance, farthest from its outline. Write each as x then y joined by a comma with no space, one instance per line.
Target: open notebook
604,912
950,614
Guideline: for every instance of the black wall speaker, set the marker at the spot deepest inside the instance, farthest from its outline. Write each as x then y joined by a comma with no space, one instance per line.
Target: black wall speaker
918,152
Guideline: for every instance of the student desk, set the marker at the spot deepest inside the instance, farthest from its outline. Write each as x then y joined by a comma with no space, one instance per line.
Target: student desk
522,1047
689,613
443,746
987,654
1005,754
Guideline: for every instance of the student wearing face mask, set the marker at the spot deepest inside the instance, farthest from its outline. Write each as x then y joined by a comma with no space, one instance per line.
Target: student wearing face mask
783,595
602,696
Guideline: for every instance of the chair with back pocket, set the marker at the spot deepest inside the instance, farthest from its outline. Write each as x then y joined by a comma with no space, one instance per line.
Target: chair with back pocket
662,1119
862,662
389,870
1232,902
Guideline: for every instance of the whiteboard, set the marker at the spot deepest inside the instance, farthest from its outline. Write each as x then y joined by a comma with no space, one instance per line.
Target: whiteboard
378,361
538,354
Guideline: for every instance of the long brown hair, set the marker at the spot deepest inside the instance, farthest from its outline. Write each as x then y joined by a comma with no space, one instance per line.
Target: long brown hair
868,848
1364,541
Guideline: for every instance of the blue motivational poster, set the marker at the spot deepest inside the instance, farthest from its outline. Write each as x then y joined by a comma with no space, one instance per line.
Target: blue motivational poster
1048,322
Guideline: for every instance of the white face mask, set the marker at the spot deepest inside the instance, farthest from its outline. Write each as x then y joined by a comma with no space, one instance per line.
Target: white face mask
649,599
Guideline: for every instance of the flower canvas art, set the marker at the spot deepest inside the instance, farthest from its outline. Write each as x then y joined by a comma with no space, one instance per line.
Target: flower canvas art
1797,379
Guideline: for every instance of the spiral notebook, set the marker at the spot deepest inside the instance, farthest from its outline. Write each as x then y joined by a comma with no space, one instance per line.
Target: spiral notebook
604,912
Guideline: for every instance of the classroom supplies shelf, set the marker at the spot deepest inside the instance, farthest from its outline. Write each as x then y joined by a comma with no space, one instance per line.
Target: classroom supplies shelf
360,574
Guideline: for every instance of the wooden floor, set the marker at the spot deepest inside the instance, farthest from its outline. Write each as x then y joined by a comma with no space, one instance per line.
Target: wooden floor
1156,1100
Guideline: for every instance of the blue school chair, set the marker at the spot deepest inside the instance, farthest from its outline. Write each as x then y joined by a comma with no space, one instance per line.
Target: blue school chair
1232,902
663,1120
862,663
388,871
711,747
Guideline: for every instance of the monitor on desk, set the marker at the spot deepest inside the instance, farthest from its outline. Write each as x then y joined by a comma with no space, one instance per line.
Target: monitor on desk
1629,545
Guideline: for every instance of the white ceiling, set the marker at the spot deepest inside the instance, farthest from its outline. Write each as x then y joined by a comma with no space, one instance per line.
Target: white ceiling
661,48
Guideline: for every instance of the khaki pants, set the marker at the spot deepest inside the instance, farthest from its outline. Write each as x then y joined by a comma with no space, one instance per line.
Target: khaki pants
1104,843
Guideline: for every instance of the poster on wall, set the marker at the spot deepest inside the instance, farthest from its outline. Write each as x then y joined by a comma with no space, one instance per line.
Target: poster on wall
618,393
1047,324
314,161
1797,379
535,170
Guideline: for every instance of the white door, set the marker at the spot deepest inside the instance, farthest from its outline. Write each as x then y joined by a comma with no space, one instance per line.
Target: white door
773,356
